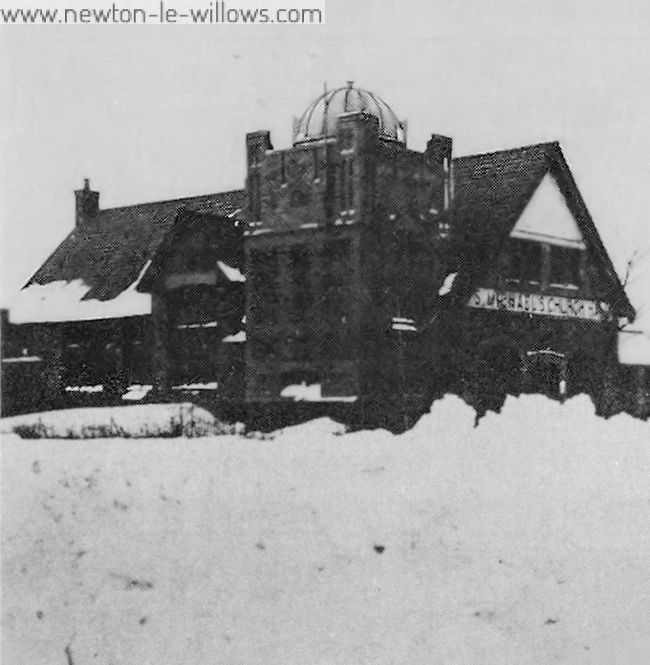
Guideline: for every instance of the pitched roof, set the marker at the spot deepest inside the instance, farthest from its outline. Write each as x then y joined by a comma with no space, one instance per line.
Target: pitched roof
228,238
108,257
491,192
111,253
492,189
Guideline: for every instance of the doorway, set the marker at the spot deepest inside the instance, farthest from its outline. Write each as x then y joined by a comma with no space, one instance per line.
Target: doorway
546,373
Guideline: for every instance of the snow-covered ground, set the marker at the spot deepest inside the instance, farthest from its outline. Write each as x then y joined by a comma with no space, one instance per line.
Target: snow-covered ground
133,421
525,540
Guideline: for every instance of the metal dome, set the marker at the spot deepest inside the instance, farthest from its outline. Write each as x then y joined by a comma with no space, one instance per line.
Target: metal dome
320,118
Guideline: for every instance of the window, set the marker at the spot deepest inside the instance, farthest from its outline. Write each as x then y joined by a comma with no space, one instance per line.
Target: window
200,260
346,138
338,258
317,164
192,304
264,267
299,269
565,266
336,280
346,192
255,185
524,261
298,345
410,258
299,197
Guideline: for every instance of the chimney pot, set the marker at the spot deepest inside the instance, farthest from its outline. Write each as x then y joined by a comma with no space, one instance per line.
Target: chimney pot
86,204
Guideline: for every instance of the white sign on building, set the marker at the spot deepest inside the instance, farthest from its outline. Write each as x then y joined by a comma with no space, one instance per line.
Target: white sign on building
539,304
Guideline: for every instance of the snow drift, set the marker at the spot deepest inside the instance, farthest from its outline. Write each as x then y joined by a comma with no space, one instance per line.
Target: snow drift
133,422
524,540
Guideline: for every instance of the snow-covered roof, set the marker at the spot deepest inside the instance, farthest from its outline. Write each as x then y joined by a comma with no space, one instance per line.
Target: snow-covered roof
303,392
237,338
60,301
94,271
492,191
231,273
89,274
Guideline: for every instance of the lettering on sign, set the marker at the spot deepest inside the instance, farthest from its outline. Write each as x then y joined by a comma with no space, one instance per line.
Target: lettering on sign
539,304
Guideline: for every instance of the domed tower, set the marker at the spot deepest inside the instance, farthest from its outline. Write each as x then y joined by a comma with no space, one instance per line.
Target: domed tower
342,236
320,119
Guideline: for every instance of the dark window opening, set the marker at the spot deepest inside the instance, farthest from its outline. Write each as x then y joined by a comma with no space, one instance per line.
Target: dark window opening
299,198
524,261
256,195
337,257
334,303
196,304
200,261
264,270
298,345
299,270
335,282
346,139
195,354
316,164
565,266
346,170
405,277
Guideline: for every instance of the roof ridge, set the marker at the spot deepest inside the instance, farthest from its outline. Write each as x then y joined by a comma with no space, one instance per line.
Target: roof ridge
176,200
553,144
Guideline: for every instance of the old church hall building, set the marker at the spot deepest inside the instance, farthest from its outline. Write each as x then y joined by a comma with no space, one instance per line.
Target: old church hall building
348,268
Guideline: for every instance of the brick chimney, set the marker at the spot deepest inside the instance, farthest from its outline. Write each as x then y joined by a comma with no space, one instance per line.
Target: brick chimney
86,204
257,143
439,149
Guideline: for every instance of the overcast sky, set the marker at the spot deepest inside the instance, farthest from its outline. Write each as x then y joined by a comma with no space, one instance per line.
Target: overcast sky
159,112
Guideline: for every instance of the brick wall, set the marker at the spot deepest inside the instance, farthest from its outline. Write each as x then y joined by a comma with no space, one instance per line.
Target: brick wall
368,218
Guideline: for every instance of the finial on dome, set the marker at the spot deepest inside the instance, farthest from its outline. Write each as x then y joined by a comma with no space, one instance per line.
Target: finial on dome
350,84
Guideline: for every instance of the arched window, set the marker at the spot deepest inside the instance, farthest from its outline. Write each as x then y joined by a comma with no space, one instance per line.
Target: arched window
546,373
